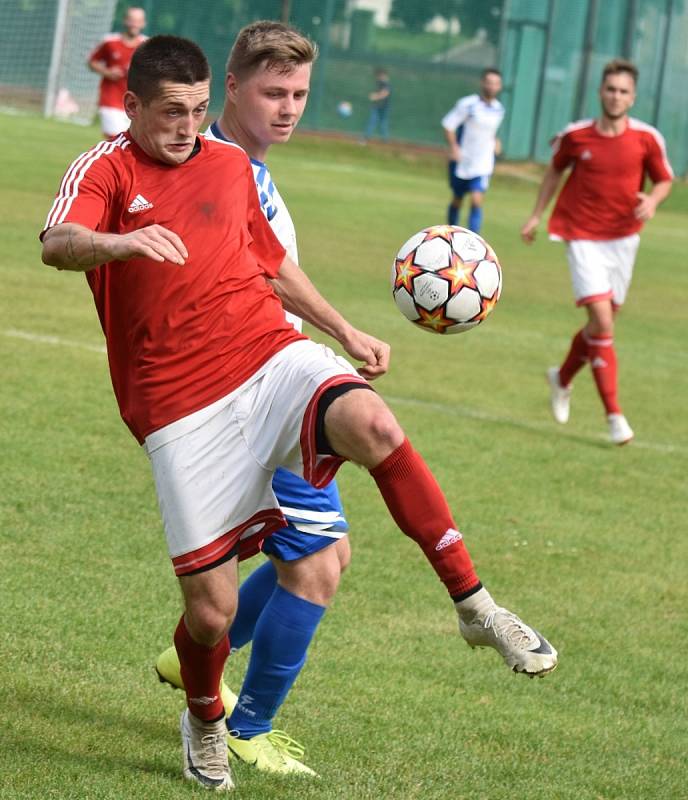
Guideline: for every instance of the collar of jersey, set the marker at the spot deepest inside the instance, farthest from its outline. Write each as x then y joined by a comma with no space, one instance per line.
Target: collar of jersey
218,134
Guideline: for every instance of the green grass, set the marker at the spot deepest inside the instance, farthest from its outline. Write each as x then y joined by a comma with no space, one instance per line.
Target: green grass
414,44
585,540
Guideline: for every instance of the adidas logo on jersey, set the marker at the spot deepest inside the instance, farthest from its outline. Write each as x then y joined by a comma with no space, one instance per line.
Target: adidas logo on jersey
448,538
139,203
586,155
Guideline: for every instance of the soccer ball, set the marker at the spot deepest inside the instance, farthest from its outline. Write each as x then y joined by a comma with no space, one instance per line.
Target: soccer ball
446,279
345,109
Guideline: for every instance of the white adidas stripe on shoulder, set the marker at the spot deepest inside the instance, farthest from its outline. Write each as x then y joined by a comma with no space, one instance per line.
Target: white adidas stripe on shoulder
69,187
577,125
572,126
639,125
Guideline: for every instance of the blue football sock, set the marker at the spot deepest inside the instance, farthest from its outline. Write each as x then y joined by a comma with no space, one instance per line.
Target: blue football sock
475,219
280,642
452,215
254,593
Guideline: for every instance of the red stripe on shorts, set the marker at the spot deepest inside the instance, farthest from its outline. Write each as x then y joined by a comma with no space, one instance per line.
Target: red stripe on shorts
271,519
593,298
319,472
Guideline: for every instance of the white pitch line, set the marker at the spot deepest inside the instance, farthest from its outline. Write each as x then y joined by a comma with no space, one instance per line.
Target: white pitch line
462,411
55,341
532,425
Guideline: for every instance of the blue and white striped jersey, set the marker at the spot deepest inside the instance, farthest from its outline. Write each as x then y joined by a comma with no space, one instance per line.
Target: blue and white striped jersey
310,510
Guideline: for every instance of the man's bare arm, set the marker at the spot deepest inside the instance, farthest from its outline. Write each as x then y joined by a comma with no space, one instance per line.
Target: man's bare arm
102,69
75,247
454,149
548,188
299,296
647,203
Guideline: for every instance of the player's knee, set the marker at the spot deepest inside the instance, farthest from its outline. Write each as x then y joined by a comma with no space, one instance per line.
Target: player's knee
208,620
360,427
600,326
383,430
328,583
314,577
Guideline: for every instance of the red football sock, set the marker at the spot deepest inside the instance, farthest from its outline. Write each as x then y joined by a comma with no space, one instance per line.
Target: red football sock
419,508
576,358
201,669
603,364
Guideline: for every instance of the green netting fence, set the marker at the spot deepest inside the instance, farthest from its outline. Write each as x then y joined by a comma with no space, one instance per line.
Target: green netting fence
550,52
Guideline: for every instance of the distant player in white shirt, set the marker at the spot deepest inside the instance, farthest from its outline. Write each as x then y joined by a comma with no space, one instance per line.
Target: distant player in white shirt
471,132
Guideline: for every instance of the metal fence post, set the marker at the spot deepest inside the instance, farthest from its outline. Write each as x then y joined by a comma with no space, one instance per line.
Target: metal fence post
55,57
324,55
665,58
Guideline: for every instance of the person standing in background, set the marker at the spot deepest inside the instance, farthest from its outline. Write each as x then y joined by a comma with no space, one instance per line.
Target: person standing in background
111,61
380,97
599,214
471,132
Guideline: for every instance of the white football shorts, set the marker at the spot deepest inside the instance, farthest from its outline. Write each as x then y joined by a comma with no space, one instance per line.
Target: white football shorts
602,270
113,120
213,468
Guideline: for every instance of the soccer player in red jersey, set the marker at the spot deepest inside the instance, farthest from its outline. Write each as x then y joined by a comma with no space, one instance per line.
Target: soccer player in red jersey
111,61
599,214
191,284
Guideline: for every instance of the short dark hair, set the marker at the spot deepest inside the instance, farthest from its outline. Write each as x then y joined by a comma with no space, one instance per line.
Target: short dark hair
280,47
490,71
618,66
165,59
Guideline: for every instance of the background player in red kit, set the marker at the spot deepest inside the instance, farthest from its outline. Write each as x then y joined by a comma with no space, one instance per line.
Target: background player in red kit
221,389
599,213
111,61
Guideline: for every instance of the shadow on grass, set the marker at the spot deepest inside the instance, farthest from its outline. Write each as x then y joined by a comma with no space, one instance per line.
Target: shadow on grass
106,739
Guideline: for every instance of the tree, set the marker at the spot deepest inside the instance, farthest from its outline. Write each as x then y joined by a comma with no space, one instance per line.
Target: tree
471,14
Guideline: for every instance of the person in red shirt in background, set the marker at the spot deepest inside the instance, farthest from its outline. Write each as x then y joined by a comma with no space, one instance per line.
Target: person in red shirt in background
111,61
599,214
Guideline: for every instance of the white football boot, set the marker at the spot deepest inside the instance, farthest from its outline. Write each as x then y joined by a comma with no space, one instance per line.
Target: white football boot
204,745
483,623
620,432
560,396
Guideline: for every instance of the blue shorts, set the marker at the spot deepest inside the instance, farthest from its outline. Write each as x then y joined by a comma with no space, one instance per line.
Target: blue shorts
315,517
462,186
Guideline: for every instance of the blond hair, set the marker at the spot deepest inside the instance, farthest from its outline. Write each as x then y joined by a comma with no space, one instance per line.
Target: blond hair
280,47
619,66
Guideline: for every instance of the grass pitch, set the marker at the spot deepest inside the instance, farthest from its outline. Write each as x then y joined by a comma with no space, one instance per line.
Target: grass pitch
586,541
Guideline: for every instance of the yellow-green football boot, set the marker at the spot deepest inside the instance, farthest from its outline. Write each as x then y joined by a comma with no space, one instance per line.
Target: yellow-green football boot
169,671
275,751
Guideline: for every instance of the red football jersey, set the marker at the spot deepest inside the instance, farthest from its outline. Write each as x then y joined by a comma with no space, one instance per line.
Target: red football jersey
599,196
114,52
179,337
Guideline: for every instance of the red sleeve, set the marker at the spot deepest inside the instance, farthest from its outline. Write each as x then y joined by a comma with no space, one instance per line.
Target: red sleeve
657,164
265,246
562,152
100,53
86,191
